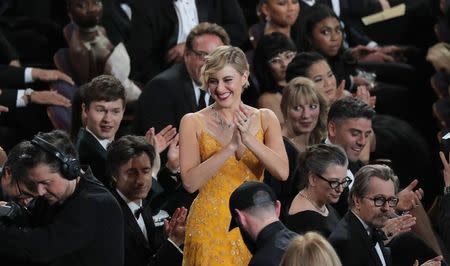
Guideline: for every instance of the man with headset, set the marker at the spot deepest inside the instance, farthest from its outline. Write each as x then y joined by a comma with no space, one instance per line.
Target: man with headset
81,223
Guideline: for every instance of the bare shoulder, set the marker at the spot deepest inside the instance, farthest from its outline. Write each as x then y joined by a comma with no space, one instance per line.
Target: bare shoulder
268,115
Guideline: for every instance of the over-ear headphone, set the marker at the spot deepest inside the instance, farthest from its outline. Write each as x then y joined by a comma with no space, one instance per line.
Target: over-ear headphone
70,166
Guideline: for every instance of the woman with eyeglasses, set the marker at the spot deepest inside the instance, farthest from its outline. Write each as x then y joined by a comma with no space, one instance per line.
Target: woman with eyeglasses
271,59
322,171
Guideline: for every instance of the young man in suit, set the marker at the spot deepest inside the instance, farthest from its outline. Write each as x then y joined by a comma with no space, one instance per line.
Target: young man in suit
103,106
129,163
372,201
255,210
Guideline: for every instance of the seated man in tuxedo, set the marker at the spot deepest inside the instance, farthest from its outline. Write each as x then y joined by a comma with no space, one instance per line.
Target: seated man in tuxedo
255,209
129,162
356,238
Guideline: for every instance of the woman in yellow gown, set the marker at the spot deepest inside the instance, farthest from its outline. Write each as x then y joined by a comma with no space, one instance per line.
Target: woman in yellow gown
222,146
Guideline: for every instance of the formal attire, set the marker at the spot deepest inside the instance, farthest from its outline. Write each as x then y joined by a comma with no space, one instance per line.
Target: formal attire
208,240
155,29
165,100
92,153
85,229
142,243
354,245
306,221
271,243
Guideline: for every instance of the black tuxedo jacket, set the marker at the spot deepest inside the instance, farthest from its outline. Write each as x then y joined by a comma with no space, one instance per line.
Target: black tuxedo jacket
271,243
165,100
12,77
155,30
91,153
354,246
140,251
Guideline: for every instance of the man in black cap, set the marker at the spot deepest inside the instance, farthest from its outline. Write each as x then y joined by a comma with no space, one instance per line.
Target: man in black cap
255,209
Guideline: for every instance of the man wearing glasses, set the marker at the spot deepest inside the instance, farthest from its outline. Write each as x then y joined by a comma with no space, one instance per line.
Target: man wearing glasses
357,238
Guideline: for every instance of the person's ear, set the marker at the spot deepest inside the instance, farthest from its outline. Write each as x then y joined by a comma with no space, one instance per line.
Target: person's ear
265,11
357,202
84,108
278,208
7,175
242,219
331,128
312,179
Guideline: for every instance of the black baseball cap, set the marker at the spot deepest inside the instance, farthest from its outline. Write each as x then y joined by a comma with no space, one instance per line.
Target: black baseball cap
247,195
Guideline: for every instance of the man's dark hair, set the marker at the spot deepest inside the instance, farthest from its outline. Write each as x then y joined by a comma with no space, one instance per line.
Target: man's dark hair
103,88
206,28
349,107
122,150
25,156
364,175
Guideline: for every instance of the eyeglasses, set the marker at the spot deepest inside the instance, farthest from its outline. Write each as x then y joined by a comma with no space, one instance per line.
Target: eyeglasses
285,57
23,194
380,201
199,54
335,184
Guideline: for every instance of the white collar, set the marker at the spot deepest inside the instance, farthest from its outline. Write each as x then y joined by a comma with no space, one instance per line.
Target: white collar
103,142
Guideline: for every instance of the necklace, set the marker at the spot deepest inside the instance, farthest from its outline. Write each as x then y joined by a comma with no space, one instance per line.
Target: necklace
322,210
222,124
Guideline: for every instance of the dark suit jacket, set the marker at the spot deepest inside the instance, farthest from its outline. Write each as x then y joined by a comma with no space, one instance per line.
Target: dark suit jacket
155,31
165,100
12,77
116,22
271,243
140,251
91,153
353,245
444,221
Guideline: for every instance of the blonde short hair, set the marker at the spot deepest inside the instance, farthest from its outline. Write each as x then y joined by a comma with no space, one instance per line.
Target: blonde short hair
219,58
303,90
310,249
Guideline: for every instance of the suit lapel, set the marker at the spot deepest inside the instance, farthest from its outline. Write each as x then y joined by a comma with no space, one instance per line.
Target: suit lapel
202,10
131,223
188,90
361,233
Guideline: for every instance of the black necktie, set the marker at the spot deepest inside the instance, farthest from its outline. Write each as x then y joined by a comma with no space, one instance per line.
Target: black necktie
201,100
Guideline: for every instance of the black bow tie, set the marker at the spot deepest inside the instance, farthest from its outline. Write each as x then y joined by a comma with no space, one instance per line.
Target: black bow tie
377,236
138,212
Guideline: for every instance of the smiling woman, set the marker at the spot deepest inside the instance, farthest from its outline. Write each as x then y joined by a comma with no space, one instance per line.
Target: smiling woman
232,143
323,177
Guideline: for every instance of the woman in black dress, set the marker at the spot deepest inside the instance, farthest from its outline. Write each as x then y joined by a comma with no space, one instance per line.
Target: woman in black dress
322,171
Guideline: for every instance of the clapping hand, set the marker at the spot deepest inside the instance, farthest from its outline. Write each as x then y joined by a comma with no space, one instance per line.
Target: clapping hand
50,75
161,140
173,155
436,261
242,120
446,170
398,225
175,229
409,198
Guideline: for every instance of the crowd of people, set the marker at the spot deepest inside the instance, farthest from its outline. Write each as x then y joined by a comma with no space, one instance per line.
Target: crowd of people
270,132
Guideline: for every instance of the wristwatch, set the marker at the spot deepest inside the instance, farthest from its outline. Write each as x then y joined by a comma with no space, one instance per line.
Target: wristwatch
446,190
27,94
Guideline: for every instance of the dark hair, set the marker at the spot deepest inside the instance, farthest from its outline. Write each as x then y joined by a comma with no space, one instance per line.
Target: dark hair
362,180
206,28
349,107
25,156
122,150
299,66
316,159
268,47
103,88
315,14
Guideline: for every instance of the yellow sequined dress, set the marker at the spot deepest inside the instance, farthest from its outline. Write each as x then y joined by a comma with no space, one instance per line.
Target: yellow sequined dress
208,241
